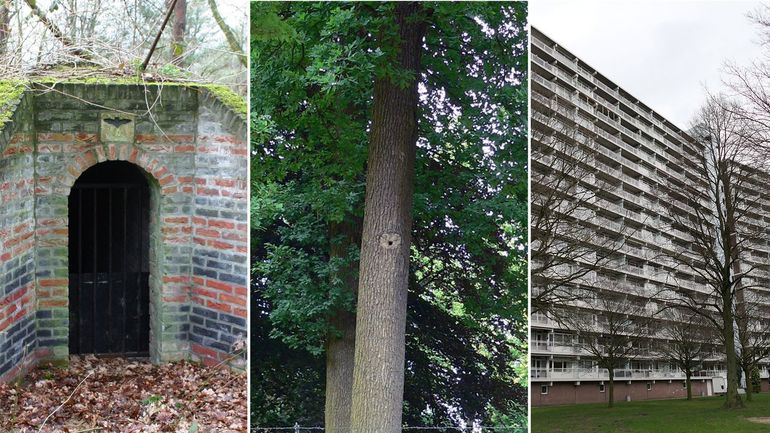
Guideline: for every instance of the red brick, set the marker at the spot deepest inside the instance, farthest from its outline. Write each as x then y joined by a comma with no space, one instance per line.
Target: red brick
166,180
203,351
208,191
219,307
214,284
177,220
221,224
203,292
232,299
53,303
207,233
53,282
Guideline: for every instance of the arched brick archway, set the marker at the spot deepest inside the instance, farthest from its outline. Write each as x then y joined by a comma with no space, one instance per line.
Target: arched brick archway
169,288
194,151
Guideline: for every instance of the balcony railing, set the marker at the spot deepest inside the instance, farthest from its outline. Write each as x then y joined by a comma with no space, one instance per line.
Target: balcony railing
576,373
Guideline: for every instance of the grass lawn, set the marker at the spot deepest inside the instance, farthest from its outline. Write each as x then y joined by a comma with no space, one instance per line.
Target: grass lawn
701,415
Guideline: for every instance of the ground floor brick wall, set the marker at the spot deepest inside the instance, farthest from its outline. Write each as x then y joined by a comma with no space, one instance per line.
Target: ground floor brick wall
189,142
17,255
220,240
567,393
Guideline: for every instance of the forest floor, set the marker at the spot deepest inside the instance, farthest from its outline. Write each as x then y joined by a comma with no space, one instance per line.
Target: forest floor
106,395
700,415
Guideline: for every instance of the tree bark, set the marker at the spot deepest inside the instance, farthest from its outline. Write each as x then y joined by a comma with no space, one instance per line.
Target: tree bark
340,353
5,26
688,381
378,384
733,399
178,33
340,349
728,299
749,383
611,402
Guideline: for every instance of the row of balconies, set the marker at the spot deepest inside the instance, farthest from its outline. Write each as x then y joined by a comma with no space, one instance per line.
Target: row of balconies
575,374
615,139
589,75
616,110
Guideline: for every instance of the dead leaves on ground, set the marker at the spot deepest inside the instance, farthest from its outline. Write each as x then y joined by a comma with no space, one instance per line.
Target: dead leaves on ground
126,396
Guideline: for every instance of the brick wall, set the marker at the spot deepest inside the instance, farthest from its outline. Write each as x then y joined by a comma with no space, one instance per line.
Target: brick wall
567,393
220,239
17,255
194,153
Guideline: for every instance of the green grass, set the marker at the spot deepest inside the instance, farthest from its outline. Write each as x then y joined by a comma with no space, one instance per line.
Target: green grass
701,415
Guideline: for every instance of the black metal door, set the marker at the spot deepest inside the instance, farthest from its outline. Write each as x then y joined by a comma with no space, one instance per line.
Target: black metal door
108,262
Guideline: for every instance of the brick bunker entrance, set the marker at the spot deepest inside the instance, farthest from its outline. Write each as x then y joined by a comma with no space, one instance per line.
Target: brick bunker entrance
123,224
109,261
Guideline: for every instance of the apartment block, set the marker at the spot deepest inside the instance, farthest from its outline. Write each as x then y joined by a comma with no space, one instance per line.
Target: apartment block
629,158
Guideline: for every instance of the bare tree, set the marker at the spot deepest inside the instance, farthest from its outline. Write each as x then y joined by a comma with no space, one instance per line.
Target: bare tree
113,38
567,243
613,328
689,341
712,211
232,41
55,30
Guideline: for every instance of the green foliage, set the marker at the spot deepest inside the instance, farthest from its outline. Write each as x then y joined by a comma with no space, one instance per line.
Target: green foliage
312,76
288,385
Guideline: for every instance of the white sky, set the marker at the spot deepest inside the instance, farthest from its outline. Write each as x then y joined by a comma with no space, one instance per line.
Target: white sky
663,52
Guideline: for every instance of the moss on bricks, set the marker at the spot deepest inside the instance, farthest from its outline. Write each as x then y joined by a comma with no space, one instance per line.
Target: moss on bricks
221,92
10,92
228,98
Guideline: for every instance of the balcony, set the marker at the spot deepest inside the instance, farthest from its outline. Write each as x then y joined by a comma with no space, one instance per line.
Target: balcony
593,374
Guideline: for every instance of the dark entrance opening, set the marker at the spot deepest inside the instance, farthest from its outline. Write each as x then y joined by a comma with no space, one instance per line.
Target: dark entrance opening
109,261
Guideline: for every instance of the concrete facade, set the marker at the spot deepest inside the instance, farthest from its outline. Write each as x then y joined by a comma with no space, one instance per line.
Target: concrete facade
633,153
192,148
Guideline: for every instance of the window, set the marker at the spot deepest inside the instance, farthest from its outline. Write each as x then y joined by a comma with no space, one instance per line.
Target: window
601,387
684,384
649,386
543,389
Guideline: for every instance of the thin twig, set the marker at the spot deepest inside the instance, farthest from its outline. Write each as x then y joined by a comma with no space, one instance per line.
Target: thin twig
64,402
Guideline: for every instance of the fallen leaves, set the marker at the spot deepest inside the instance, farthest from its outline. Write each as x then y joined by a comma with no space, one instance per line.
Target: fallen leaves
126,396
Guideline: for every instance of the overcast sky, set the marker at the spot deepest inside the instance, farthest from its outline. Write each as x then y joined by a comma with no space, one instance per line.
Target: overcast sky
662,52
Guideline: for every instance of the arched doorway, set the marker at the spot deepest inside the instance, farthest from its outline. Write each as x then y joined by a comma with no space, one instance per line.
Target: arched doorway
109,217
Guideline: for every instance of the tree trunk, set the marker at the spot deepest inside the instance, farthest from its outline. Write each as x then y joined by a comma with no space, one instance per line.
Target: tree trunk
611,402
733,399
378,384
180,26
5,26
749,383
688,382
340,349
340,352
